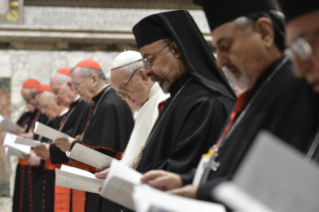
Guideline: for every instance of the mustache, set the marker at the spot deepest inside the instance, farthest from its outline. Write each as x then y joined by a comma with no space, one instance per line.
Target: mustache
229,66
154,77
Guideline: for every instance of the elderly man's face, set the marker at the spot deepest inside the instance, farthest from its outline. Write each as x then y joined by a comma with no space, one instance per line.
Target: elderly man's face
163,64
131,86
82,85
29,99
63,93
240,53
48,106
306,28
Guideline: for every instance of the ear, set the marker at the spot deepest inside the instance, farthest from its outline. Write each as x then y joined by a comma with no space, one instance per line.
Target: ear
174,49
95,78
141,73
265,28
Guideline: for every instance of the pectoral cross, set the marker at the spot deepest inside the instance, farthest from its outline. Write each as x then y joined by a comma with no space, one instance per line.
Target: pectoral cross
213,164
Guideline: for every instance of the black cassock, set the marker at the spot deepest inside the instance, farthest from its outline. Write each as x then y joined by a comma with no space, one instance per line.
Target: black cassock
287,107
108,132
25,179
68,124
189,127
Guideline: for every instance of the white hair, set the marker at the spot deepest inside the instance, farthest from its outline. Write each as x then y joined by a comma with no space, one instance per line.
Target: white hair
63,79
245,24
87,72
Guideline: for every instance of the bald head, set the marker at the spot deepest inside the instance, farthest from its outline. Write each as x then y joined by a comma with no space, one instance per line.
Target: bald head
64,93
48,106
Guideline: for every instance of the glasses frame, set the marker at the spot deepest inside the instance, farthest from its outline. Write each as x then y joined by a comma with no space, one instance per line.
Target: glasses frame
301,45
79,83
149,59
123,90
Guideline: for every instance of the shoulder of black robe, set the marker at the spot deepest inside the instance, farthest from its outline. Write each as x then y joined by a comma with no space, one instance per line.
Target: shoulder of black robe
110,127
24,119
189,128
76,119
287,107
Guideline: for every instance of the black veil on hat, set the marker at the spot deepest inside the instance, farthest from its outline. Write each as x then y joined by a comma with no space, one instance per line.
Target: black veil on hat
295,8
219,12
198,58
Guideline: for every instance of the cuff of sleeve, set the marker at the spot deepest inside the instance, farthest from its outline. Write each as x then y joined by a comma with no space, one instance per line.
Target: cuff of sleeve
181,179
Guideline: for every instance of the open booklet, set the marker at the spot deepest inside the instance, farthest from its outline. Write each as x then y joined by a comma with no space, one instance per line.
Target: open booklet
28,142
79,179
123,182
11,148
90,156
272,177
48,132
8,124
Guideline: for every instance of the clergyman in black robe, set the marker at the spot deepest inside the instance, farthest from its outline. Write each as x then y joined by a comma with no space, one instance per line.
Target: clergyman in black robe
201,98
278,102
107,129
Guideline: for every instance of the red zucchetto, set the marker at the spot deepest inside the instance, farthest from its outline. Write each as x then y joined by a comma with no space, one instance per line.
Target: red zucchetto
30,84
43,88
65,71
89,63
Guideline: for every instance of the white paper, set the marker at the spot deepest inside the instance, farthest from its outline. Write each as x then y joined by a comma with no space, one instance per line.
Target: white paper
48,132
79,179
152,200
8,124
278,176
90,156
200,170
119,184
28,142
13,148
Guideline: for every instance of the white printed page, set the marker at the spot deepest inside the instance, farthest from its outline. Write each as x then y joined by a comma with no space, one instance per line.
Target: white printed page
48,132
79,179
8,124
278,176
119,184
28,142
90,156
9,141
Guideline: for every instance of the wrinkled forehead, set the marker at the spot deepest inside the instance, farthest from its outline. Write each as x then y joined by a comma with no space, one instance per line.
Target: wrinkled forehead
301,25
119,77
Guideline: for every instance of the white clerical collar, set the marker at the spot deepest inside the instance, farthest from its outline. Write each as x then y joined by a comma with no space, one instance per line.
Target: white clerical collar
77,98
64,112
153,90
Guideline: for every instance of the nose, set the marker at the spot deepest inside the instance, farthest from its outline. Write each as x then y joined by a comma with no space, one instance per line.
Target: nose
222,59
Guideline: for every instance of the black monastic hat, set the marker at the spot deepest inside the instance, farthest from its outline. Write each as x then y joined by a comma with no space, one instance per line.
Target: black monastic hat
295,8
196,54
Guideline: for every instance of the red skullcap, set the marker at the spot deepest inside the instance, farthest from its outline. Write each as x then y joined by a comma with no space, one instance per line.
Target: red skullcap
43,88
65,71
89,63
31,83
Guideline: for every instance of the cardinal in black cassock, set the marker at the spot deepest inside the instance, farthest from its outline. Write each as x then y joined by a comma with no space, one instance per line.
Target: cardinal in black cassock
285,106
107,129
25,174
200,102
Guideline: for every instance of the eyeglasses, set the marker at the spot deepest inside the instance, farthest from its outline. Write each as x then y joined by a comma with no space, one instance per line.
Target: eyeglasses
301,46
148,60
77,84
122,91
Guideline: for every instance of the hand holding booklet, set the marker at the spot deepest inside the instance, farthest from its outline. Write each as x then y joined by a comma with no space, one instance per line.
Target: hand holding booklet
11,148
123,186
272,177
8,124
79,179
90,156
48,132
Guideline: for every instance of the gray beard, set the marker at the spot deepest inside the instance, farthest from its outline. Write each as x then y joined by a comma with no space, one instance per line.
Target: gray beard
164,85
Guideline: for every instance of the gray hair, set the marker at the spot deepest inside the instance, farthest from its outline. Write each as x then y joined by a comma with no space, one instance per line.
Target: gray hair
63,79
32,91
87,72
245,24
130,68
